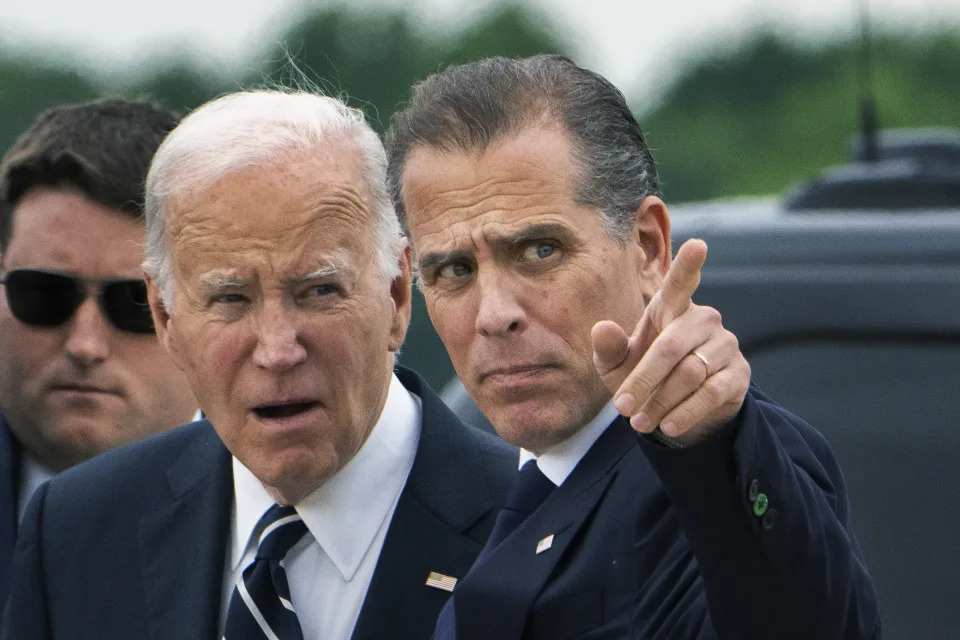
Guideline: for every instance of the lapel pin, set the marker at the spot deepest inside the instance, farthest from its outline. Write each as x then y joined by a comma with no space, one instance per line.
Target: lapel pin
440,581
545,544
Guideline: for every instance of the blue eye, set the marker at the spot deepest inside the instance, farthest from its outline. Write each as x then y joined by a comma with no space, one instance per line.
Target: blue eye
539,251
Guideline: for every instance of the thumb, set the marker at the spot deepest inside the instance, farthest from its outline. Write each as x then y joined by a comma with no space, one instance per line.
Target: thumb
614,353
610,346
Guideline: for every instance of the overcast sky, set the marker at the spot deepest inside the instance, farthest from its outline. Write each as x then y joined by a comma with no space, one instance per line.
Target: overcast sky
633,42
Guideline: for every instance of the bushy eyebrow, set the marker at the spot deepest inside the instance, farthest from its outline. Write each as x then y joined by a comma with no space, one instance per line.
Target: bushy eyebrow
219,280
216,280
335,267
531,233
433,259
498,243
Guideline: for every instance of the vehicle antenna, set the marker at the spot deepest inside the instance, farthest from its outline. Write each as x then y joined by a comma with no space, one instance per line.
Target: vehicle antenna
868,107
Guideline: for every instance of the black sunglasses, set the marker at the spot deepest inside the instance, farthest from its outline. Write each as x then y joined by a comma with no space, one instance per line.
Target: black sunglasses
46,299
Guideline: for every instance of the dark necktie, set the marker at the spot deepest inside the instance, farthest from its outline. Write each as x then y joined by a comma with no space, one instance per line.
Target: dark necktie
528,491
260,605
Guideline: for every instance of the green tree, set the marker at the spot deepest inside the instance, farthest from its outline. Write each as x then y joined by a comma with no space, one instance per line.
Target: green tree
508,30
373,59
28,86
177,86
760,117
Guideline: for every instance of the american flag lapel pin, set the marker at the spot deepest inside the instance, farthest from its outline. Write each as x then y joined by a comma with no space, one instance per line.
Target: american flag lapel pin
545,544
441,581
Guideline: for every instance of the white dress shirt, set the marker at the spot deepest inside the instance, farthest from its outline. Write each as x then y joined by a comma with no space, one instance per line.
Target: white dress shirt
347,518
32,475
558,461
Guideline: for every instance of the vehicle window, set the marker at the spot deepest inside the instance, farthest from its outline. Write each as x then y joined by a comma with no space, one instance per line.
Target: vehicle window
891,412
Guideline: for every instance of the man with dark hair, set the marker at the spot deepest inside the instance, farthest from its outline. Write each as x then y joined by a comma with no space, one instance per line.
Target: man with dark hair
81,370
661,495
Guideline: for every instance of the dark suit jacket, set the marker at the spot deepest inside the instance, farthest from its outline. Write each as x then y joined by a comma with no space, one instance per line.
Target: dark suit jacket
133,543
9,490
652,542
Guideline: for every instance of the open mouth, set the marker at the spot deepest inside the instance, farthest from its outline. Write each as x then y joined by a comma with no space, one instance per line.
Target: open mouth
283,410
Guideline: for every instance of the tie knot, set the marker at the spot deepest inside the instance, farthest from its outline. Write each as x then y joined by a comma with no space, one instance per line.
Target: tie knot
529,488
280,528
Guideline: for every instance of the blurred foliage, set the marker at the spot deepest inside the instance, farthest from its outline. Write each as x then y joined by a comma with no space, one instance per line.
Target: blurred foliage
748,120
177,86
756,119
372,60
27,87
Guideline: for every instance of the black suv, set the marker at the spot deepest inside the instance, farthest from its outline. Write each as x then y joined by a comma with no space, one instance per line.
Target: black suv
845,295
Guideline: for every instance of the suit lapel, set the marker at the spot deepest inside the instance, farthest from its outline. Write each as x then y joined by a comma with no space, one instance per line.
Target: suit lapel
9,490
183,542
509,579
434,527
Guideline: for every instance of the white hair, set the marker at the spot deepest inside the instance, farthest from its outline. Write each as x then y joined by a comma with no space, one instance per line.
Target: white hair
260,128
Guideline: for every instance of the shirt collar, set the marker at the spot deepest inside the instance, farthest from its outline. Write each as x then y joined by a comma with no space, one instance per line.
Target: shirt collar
32,474
345,513
558,461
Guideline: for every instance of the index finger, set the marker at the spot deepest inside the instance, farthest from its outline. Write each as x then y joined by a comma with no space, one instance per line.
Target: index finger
683,278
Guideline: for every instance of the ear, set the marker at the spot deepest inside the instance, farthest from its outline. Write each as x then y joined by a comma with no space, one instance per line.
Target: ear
162,320
651,232
400,294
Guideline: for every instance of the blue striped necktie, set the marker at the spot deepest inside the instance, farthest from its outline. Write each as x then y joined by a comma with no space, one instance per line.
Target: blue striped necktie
260,605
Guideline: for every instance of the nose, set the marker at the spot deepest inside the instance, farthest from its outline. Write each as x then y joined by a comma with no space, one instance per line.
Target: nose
278,343
88,337
500,311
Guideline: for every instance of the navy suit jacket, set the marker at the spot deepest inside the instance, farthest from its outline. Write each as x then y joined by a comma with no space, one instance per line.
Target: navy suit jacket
132,544
653,542
9,491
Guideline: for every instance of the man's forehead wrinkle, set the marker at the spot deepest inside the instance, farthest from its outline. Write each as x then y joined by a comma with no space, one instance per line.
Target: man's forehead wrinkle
501,186
491,196
190,222
451,197
339,209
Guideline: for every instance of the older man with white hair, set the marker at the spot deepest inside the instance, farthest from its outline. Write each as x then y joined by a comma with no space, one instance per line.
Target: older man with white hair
328,494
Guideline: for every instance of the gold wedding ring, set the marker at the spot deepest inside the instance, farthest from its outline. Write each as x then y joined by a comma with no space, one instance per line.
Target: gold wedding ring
702,358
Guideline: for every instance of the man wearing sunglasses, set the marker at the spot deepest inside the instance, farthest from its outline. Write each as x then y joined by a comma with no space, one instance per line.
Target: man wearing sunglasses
81,370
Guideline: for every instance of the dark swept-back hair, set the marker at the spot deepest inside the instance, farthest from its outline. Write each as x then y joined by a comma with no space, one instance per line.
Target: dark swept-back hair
468,107
101,149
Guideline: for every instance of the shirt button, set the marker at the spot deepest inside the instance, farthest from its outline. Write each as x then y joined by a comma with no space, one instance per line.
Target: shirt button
761,504
754,490
769,519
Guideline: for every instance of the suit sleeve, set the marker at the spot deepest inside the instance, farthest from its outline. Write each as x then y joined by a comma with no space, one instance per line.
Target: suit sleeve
764,507
25,616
